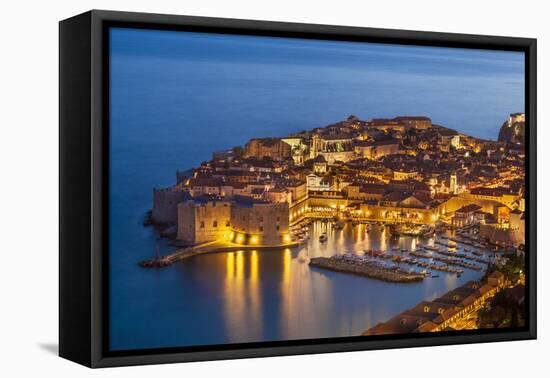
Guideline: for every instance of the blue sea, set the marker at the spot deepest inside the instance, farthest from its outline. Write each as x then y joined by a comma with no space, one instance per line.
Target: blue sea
177,96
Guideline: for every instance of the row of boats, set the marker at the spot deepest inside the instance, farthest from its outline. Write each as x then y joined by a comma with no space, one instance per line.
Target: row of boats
453,261
300,231
452,251
414,261
353,259
443,256
470,241
447,267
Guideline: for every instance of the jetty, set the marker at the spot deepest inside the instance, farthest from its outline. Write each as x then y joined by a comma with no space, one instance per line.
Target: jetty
160,261
368,268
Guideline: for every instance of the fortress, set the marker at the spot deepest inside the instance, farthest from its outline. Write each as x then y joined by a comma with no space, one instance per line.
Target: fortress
238,221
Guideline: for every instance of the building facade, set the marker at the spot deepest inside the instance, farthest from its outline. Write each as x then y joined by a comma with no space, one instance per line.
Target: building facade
203,221
274,148
245,223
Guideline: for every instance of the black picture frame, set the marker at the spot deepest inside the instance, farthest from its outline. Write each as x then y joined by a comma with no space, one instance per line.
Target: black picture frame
83,180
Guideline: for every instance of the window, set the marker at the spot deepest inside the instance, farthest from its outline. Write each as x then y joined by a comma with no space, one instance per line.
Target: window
440,310
426,308
202,224
261,229
227,224
215,223
277,227
261,219
278,219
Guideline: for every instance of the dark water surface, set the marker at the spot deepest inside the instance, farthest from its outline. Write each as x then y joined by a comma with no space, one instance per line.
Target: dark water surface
176,97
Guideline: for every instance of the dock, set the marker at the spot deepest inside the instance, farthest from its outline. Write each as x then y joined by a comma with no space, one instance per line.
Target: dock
365,269
205,248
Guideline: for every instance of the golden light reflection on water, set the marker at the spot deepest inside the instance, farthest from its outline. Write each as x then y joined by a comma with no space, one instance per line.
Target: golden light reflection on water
287,256
254,267
383,240
243,309
239,266
314,303
255,296
302,294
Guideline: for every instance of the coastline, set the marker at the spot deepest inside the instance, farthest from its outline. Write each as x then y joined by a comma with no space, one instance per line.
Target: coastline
446,313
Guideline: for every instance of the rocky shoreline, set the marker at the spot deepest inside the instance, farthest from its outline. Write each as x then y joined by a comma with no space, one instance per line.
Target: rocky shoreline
365,270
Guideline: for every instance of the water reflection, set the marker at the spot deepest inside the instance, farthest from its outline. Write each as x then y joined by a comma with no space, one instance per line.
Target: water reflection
266,295
308,302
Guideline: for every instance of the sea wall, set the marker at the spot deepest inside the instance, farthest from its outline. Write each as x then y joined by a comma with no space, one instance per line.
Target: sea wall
165,205
365,270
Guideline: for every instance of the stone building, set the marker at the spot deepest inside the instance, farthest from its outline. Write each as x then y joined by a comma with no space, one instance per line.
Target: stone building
506,234
299,149
296,188
316,183
277,195
385,124
448,138
274,148
466,216
203,220
320,164
256,223
376,149
240,221
401,123
334,147
415,122
165,204
502,195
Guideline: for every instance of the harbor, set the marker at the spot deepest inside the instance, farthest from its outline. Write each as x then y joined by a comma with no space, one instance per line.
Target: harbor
243,286
430,252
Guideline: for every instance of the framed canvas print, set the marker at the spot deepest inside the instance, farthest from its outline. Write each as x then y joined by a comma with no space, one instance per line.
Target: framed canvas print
234,188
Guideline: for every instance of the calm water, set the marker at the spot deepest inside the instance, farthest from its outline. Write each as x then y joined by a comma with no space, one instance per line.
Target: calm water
248,296
176,97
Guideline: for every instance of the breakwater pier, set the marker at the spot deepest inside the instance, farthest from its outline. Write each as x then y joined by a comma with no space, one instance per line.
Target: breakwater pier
364,267
204,248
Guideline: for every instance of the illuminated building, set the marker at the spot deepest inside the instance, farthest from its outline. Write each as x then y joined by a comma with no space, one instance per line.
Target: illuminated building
240,220
274,148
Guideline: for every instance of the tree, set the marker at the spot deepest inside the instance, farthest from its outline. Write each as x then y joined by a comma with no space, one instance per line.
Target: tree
512,269
501,311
